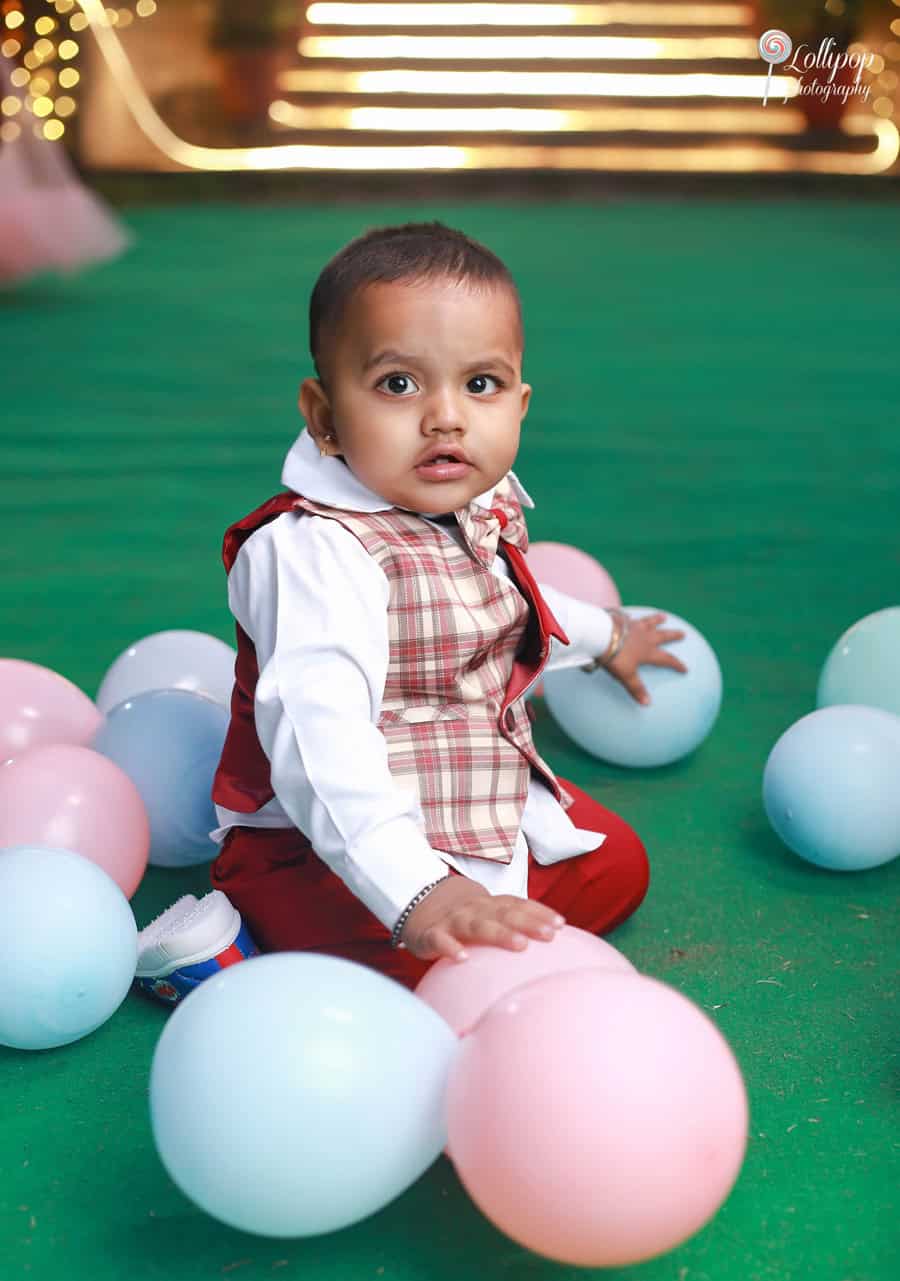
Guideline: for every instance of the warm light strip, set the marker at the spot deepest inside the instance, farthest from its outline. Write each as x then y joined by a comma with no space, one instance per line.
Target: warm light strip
537,120
726,157
530,15
760,158
503,48
575,84
191,155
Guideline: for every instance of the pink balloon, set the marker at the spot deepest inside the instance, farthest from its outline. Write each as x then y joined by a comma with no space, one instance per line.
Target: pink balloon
574,572
461,993
66,797
38,706
596,1117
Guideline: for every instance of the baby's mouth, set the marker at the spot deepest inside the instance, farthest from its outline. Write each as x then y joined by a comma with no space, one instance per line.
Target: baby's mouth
444,467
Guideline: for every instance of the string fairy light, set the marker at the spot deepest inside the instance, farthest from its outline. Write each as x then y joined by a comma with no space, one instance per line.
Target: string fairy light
882,79
44,54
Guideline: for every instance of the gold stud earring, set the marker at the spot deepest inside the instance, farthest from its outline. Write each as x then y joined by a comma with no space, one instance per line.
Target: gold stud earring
323,452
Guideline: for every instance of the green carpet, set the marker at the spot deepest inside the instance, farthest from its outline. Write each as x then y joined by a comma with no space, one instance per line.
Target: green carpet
714,417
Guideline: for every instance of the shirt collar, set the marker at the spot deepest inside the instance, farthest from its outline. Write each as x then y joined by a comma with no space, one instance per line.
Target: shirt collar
331,482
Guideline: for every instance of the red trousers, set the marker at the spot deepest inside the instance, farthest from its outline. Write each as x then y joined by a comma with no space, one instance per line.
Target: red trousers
291,900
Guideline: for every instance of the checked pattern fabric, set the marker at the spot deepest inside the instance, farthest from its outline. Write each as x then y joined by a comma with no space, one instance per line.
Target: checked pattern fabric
454,629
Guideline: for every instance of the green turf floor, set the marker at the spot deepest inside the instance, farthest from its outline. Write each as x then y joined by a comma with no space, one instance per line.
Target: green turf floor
715,418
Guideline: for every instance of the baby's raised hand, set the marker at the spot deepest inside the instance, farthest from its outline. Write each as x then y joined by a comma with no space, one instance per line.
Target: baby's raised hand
460,911
643,644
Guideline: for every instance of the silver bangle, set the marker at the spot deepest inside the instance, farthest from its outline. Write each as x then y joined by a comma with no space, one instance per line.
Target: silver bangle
404,915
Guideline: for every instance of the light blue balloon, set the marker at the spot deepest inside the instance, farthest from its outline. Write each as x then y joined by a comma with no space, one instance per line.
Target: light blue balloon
68,947
298,1093
599,714
831,787
168,742
864,665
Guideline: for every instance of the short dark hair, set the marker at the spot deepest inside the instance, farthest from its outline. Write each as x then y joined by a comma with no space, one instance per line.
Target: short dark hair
411,251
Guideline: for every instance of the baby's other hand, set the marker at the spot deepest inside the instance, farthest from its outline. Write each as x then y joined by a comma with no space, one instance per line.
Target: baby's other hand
643,645
460,911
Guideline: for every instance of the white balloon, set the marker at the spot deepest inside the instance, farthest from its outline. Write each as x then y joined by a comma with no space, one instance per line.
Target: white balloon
187,660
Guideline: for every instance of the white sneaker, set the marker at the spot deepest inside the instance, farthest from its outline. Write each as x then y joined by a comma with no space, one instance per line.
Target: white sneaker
188,943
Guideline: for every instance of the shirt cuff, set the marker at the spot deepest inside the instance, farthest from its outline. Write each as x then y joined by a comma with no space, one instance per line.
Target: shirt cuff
388,866
588,627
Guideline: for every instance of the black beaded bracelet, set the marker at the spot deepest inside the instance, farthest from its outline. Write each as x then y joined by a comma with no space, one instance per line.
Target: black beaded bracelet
404,915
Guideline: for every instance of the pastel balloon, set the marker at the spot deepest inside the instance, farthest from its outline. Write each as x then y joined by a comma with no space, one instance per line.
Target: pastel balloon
170,660
72,798
864,665
599,714
597,1117
39,706
68,947
461,993
573,571
168,742
296,1093
830,787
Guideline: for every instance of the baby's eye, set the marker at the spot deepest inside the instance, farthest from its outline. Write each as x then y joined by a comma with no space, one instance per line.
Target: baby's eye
483,378
392,381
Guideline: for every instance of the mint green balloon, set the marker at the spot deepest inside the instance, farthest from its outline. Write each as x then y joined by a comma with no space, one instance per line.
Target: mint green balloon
296,1093
864,665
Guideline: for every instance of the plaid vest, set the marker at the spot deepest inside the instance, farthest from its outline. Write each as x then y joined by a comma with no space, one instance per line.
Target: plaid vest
463,645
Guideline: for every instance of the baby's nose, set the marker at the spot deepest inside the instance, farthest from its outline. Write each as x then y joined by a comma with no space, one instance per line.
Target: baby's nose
444,412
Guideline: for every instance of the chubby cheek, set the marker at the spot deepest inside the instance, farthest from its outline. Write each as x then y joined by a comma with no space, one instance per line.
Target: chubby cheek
378,456
375,412
350,414
508,448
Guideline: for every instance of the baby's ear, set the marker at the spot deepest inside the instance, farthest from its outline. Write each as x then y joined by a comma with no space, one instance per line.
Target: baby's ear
314,407
526,398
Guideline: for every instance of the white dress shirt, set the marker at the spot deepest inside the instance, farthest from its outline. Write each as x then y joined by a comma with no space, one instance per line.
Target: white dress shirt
314,603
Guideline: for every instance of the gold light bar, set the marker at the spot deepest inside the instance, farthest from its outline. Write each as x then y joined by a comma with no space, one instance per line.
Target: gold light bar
579,84
530,15
723,157
758,158
502,48
538,120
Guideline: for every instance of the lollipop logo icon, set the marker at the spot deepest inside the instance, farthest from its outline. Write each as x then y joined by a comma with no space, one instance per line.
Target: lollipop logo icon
774,47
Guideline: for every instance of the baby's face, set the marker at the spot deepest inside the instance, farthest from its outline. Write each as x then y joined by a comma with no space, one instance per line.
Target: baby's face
418,365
